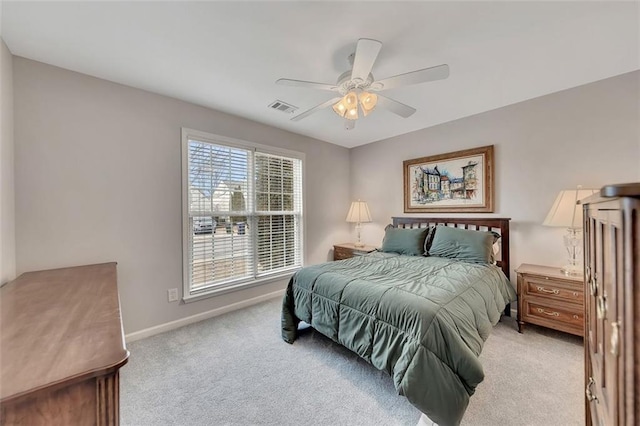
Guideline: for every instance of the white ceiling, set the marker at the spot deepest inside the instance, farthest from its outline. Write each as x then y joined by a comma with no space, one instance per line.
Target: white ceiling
228,55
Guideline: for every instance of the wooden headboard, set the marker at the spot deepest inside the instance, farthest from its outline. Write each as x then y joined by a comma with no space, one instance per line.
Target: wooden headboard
496,224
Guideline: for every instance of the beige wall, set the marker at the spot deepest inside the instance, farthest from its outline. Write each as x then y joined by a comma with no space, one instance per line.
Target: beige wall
7,193
587,135
98,178
97,174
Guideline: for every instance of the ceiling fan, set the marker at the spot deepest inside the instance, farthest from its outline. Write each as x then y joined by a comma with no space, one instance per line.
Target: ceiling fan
357,88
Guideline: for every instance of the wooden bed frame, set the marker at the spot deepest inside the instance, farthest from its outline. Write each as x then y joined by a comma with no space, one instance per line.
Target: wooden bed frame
496,224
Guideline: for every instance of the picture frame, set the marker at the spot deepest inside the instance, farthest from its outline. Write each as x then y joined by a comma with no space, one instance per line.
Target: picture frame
455,182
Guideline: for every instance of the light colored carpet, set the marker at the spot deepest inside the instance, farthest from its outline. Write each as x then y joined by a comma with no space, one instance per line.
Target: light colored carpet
236,370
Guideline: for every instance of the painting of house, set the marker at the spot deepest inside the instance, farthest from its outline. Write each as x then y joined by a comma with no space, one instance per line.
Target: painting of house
431,185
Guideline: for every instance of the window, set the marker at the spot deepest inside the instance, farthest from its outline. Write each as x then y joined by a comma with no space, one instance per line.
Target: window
242,213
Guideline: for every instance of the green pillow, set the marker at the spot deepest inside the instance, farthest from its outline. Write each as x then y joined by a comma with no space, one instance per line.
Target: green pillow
463,244
404,240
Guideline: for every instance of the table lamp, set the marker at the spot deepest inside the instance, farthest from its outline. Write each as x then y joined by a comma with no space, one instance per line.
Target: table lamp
359,213
566,212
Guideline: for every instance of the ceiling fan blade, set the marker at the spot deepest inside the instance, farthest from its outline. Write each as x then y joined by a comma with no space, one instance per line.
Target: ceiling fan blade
314,109
415,77
366,53
349,124
395,107
307,84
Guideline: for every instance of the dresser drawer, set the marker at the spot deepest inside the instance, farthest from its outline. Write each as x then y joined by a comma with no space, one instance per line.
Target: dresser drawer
562,316
557,290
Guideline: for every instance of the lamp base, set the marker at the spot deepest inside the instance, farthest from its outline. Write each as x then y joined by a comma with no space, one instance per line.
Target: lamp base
573,244
358,243
572,270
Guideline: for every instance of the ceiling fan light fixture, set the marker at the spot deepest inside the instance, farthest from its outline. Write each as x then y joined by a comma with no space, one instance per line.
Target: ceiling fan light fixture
368,102
351,99
341,108
347,107
352,114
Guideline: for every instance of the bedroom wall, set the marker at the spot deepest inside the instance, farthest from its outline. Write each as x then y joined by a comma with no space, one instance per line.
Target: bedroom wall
588,135
7,192
98,178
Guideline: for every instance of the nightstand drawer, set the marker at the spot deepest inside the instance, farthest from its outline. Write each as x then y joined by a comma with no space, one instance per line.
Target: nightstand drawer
340,253
556,290
348,250
538,312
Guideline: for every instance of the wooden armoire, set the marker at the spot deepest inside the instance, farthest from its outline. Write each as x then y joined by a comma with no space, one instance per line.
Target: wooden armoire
612,305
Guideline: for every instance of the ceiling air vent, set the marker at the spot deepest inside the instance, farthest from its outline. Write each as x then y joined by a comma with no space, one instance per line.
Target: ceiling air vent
283,106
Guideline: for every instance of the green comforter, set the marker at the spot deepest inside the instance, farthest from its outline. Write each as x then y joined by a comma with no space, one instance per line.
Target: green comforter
421,319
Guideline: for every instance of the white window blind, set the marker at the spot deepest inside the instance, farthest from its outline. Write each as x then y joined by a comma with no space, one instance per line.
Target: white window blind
278,203
243,213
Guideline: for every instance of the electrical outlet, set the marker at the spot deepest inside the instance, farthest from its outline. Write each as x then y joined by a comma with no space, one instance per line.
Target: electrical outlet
172,295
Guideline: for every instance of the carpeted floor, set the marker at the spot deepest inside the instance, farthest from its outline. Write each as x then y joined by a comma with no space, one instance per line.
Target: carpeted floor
236,370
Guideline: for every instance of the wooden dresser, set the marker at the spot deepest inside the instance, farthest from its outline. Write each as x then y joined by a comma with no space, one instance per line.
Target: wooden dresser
61,347
612,320
549,298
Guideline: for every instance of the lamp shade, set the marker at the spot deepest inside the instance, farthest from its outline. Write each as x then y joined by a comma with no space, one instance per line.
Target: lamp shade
566,210
359,212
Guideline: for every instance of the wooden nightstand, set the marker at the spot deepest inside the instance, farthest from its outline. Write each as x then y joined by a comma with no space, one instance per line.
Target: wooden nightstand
348,250
549,298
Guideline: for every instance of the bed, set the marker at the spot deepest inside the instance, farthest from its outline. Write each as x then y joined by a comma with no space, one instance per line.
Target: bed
422,319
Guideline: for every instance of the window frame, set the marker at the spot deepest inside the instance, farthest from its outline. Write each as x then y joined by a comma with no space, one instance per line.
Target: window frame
187,294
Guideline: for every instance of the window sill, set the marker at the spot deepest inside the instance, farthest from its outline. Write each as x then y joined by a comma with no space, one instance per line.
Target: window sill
237,287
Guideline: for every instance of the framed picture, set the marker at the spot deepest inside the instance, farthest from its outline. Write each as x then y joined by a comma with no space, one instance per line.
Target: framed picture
460,181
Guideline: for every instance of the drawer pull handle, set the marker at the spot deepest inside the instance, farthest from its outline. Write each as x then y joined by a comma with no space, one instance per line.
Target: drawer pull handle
593,286
590,395
601,308
575,316
544,290
551,314
615,338
575,294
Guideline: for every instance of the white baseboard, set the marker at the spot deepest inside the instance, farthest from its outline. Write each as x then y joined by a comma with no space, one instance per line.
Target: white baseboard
151,331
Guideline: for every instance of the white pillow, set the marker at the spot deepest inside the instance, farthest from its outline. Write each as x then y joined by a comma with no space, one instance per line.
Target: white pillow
496,250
